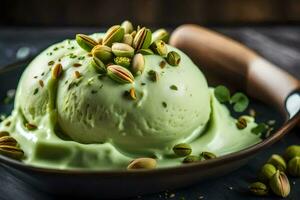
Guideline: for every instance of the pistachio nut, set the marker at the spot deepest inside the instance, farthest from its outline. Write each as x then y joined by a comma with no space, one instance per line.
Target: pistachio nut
85,42
145,51
56,71
293,166
127,25
98,65
173,58
8,140
123,61
142,40
278,162
153,75
138,64
160,34
190,159
291,151
104,53
182,149
130,94
128,39
241,123
4,133
11,151
122,50
119,74
133,34
142,163
207,155
30,126
279,184
159,47
266,172
113,34
259,189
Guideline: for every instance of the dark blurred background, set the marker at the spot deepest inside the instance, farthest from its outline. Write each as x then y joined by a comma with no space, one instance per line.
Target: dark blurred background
147,12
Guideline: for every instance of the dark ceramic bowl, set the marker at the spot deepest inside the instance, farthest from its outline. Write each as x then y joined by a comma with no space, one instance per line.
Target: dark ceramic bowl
123,183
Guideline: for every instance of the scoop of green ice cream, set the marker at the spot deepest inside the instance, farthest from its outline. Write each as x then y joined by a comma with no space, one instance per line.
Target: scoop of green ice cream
93,109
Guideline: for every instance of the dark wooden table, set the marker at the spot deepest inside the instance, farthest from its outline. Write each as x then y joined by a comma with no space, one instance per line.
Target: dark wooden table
279,44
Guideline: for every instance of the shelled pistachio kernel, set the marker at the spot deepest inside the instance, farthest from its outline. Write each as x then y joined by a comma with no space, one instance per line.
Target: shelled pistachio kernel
104,53
266,172
138,64
8,140
259,189
278,162
142,163
128,39
98,65
279,184
30,126
294,166
173,58
85,42
291,152
145,51
142,39
153,75
120,74
56,71
182,149
113,34
128,27
159,47
241,123
11,151
190,159
123,61
160,34
207,155
122,50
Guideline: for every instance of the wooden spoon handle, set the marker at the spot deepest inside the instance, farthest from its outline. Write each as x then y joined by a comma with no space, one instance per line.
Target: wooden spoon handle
223,59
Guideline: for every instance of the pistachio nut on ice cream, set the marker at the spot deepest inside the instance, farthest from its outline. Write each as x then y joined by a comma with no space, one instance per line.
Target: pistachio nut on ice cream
116,100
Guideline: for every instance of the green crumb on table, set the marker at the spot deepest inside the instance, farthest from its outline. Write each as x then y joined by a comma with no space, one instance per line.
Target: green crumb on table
51,63
94,91
164,104
173,87
36,90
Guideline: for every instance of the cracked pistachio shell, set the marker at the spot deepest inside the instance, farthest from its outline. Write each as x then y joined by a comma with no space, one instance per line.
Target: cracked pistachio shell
291,151
11,151
85,42
113,34
104,53
278,162
266,172
259,189
159,47
294,166
160,34
4,133
182,149
173,58
138,64
142,39
8,140
145,51
128,39
279,184
142,163
128,27
122,50
98,65
120,74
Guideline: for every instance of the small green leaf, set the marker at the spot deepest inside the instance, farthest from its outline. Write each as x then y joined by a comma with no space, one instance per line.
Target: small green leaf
222,93
260,128
240,102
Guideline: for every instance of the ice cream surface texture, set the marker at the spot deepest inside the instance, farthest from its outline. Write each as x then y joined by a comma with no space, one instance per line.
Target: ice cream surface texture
85,120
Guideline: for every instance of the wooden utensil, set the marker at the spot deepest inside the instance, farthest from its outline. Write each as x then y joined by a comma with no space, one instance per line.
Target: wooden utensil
227,61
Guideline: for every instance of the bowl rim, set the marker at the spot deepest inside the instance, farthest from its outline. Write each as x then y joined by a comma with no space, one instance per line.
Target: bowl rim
239,155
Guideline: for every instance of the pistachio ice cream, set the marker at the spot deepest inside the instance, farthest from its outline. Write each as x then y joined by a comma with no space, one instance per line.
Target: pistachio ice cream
103,100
